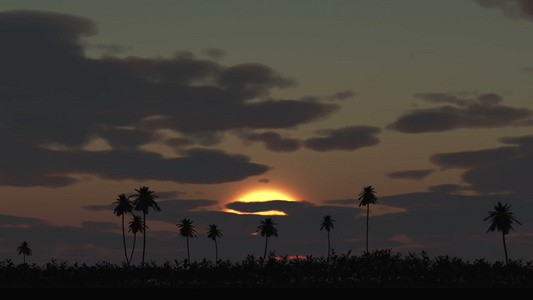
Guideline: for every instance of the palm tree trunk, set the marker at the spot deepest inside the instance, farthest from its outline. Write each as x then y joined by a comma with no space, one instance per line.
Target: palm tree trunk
144,238
505,248
188,254
266,243
133,248
367,216
329,248
216,252
124,240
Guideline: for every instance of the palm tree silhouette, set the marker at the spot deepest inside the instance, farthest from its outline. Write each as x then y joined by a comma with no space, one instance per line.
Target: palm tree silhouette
24,249
136,225
123,207
145,199
367,197
214,233
186,229
327,223
267,229
501,219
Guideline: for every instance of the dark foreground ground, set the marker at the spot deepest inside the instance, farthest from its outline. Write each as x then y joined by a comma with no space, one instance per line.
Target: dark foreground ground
379,269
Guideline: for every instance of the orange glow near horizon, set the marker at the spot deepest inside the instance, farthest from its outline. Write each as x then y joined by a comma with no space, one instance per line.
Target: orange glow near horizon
263,195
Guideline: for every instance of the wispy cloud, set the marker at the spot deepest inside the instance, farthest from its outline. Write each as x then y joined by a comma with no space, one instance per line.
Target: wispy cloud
514,9
411,174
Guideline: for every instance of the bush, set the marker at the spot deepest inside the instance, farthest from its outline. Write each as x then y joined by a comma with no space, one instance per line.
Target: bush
377,269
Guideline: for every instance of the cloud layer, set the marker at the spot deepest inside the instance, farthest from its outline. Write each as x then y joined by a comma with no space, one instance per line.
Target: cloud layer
54,101
484,111
514,9
502,170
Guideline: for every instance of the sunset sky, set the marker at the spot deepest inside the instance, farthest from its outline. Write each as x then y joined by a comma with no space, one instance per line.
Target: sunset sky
226,109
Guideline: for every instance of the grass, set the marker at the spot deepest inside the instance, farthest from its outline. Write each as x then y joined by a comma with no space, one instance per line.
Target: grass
377,269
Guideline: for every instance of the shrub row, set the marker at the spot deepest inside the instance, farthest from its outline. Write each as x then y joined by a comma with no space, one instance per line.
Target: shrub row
377,269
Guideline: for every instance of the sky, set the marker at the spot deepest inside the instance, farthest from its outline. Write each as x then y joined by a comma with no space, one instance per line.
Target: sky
235,111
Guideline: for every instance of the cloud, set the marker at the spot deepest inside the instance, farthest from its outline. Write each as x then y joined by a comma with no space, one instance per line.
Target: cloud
178,142
338,96
33,166
446,188
54,97
127,137
343,95
66,97
514,9
505,169
346,138
485,111
410,174
252,79
273,141
476,158
181,205
279,205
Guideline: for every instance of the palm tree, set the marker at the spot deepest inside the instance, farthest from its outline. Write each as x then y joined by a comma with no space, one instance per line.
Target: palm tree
123,207
267,229
327,223
501,219
367,197
24,249
145,199
214,233
136,225
187,230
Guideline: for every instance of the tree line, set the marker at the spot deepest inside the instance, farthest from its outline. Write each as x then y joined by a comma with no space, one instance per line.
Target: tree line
501,219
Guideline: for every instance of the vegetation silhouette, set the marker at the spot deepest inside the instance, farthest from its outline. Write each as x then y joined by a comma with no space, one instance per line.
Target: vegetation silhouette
501,219
145,199
327,223
213,233
124,206
377,269
24,249
267,229
187,230
367,197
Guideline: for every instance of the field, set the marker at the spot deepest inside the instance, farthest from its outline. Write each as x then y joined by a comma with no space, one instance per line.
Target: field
377,269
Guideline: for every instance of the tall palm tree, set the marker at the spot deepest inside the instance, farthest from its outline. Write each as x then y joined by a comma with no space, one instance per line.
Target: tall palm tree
267,229
24,249
145,199
213,233
136,225
187,230
501,219
327,223
367,197
123,207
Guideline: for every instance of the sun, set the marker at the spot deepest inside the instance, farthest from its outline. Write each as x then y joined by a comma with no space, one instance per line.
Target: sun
263,195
